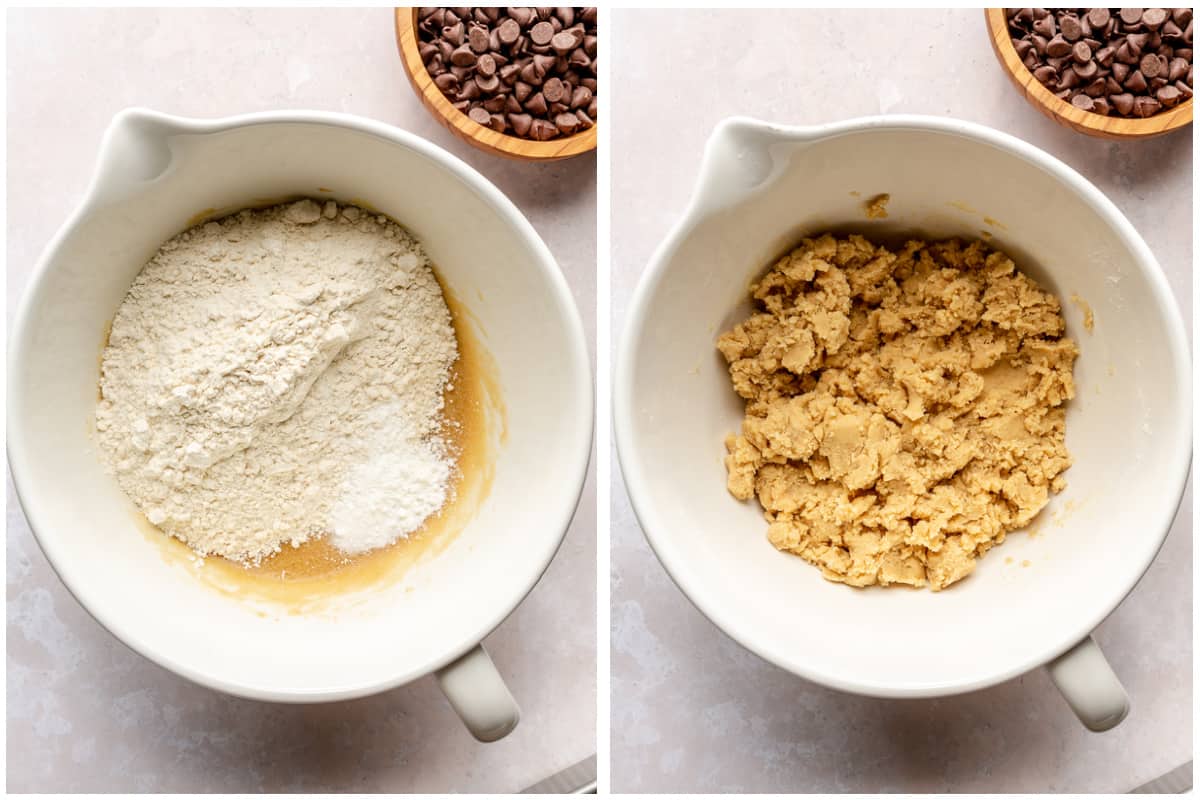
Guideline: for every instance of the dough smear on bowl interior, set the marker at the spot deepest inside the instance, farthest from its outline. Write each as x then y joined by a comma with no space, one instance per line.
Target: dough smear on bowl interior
905,409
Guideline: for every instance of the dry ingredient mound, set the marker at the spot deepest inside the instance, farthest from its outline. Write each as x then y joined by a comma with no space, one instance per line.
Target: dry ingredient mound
278,375
904,409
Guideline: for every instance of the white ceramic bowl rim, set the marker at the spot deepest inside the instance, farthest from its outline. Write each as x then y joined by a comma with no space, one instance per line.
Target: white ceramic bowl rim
18,447
624,403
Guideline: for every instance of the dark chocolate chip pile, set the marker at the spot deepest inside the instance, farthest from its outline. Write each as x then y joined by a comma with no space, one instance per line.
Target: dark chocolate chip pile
527,72
1127,62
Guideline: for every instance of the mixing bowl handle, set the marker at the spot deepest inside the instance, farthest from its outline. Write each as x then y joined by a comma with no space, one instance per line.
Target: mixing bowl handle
1090,686
478,695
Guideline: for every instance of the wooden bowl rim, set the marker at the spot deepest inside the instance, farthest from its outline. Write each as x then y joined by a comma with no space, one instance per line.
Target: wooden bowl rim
1122,127
482,137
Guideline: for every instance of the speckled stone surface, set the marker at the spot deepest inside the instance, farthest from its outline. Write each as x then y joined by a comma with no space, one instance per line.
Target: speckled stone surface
85,713
693,711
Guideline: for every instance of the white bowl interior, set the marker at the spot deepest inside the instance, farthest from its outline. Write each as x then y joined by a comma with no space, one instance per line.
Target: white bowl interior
1127,427
154,182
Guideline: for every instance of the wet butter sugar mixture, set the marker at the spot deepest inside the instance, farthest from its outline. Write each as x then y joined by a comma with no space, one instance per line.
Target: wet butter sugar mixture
905,409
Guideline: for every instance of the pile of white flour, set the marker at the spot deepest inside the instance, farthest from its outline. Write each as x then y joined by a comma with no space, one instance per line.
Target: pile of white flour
278,375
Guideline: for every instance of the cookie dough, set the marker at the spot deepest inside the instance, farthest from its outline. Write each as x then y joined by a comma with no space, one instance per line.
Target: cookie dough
904,408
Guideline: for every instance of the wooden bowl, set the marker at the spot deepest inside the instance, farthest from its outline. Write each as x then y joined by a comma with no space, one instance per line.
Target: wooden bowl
466,128
1063,112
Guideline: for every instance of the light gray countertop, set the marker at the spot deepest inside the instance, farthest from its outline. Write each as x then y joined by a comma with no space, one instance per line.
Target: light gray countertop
85,713
693,711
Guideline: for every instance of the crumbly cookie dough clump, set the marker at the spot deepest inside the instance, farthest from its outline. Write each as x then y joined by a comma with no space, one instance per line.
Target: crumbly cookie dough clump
904,409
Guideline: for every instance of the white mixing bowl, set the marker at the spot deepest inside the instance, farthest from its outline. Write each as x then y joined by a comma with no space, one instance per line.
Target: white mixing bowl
761,188
156,172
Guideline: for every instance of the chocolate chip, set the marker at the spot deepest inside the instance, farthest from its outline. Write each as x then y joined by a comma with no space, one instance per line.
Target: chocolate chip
531,74
566,123
463,56
469,91
1069,25
520,123
1153,18
554,90
1081,52
1152,66
447,82
1168,96
1146,107
508,31
479,114
542,33
1100,106
1098,17
537,104
1136,82
522,16
1068,80
563,43
579,58
1045,73
581,97
454,34
1123,103
1045,26
1082,101
543,130
1131,16
1058,46
478,38
1086,70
